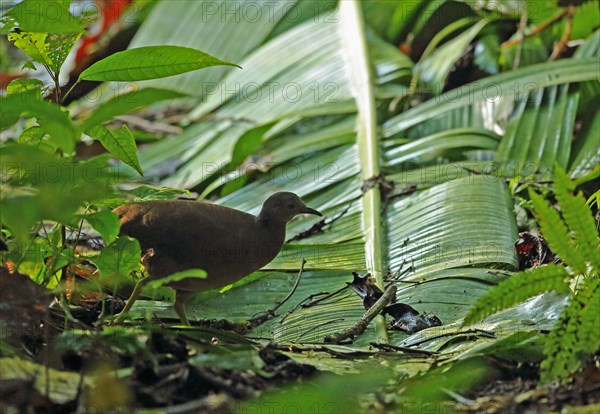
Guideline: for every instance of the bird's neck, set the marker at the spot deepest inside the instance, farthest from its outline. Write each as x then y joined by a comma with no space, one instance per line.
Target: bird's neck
269,223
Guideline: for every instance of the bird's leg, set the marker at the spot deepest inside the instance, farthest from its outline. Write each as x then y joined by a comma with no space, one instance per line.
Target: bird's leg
134,295
181,298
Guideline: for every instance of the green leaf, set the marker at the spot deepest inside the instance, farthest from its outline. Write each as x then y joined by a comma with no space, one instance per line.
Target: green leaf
487,51
540,130
119,142
248,143
128,102
38,185
59,47
231,38
176,277
59,387
51,118
117,260
586,154
585,20
514,84
442,144
145,193
37,137
106,223
556,233
33,45
150,62
23,85
48,16
517,288
578,218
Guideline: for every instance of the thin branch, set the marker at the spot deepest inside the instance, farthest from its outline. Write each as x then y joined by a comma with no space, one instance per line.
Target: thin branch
361,325
560,46
404,349
482,332
304,305
70,89
266,315
538,29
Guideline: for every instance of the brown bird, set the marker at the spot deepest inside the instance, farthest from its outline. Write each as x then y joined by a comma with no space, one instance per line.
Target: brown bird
227,243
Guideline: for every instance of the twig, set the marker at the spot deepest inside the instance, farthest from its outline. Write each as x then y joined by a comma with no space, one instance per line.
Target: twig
70,89
540,28
258,320
304,305
566,35
361,325
318,226
482,332
404,349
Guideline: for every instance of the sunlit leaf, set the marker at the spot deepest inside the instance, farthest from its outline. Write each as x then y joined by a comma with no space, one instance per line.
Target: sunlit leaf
150,62
119,142
117,260
48,16
106,223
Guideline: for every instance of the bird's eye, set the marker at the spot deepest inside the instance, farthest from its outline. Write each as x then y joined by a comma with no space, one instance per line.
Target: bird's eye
290,206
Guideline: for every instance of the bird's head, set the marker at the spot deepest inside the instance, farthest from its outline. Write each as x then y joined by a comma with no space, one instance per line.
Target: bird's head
284,206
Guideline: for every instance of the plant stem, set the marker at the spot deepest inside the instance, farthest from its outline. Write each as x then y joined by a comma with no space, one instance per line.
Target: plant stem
70,89
352,31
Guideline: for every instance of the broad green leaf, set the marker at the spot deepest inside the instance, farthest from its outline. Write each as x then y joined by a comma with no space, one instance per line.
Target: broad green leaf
145,193
440,228
41,186
117,260
540,130
24,85
248,143
126,103
48,16
225,31
59,47
119,142
60,387
585,20
37,137
442,144
586,152
33,45
514,85
150,62
106,223
51,118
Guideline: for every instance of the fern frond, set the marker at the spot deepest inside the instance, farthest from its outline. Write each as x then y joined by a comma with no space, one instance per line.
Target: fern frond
575,334
517,288
556,233
578,218
590,320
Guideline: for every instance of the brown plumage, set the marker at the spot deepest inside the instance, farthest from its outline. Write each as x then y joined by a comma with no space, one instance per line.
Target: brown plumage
227,243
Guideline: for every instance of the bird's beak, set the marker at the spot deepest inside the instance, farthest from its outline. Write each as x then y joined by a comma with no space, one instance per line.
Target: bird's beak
309,210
